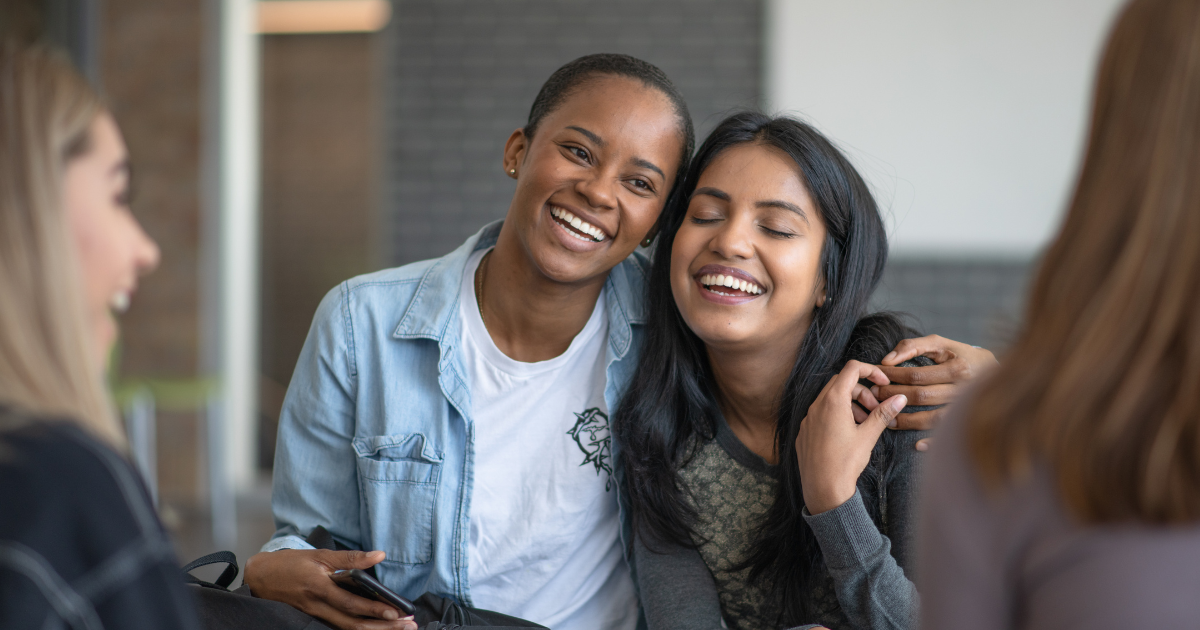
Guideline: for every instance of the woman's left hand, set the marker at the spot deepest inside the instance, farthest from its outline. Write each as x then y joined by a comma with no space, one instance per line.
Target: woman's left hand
833,447
957,364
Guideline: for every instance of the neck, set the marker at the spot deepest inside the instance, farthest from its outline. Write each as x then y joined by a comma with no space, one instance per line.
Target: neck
529,316
750,386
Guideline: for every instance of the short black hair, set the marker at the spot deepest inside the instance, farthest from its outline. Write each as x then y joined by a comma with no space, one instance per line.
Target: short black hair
576,73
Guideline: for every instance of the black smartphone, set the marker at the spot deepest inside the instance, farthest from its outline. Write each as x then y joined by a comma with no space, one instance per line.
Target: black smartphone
362,584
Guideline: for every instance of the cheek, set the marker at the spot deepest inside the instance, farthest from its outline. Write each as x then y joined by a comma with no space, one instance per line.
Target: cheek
640,217
97,247
684,250
796,274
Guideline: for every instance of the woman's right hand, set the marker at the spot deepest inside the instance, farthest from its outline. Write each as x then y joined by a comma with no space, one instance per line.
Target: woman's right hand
300,578
835,439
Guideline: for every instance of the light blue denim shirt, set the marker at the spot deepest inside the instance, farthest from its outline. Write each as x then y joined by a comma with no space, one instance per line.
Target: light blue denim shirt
376,438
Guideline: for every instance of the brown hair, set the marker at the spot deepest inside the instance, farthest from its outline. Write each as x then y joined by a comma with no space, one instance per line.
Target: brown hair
1103,384
47,367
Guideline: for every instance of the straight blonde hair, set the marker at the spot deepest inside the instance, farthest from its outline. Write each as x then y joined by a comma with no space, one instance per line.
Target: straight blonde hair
47,354
1104,383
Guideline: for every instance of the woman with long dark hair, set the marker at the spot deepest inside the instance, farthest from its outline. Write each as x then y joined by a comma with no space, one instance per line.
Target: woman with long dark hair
760,492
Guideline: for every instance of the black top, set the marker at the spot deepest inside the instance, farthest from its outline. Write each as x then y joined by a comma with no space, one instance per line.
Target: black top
80,543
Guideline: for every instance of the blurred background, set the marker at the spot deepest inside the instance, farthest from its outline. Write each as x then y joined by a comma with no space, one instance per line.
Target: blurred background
283,146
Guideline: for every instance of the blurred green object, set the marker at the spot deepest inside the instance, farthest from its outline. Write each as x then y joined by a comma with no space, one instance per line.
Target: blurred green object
170,394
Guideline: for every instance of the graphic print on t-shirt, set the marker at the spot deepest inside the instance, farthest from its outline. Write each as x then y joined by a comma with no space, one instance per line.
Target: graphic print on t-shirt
594,439
544,538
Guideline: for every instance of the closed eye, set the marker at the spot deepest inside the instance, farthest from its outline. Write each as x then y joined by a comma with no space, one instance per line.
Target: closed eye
777,233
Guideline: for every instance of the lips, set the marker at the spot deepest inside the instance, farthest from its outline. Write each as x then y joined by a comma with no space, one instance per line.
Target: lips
577,227
728,282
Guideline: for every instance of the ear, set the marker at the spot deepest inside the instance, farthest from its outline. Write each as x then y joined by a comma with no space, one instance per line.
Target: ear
514,153
822,296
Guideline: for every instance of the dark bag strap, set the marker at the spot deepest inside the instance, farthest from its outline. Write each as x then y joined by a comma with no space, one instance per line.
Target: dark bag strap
227,576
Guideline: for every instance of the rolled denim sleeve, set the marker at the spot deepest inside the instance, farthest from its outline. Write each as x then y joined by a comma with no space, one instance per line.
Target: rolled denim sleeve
315,481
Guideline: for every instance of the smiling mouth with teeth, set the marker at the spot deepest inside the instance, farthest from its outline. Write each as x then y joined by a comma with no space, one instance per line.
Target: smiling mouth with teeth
577,227
729,285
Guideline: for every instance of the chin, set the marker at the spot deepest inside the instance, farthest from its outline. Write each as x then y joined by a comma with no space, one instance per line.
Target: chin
569,267
720,334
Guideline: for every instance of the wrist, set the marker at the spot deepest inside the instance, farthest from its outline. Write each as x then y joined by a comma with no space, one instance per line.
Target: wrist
822,500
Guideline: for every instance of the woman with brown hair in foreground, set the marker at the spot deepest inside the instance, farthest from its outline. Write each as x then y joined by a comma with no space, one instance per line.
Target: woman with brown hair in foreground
80,544
1068,494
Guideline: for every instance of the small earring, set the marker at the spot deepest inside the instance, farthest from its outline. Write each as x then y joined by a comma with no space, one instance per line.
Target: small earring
512,171
646,241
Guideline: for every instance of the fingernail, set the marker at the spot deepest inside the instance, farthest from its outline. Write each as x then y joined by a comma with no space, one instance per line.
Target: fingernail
899,402
922,446
889,356
391,615
875,391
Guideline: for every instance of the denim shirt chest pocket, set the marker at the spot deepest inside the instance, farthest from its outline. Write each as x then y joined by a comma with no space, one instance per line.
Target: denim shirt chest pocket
398,476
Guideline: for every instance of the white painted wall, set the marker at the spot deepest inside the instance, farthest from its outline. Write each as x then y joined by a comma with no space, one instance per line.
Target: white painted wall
967,116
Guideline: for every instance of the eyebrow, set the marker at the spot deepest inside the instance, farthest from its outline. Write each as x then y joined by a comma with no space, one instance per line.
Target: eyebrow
636,161
591,136
648,164
785,205
712,192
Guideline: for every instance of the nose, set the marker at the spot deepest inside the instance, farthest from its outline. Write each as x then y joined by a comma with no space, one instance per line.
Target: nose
146,252
598,189
733,239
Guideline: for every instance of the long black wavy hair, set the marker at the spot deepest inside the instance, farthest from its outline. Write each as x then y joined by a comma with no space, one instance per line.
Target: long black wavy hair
670,408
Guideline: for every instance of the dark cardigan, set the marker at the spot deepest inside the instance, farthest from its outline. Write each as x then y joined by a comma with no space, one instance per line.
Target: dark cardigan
80,543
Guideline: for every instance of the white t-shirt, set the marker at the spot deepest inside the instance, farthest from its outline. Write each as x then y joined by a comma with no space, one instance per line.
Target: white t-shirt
545,532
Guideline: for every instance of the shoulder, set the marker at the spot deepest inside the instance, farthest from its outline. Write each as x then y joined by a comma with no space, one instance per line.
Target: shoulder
52,454
376,303
637,261
81,538
79,501
634,270
394,287
628,283
68,480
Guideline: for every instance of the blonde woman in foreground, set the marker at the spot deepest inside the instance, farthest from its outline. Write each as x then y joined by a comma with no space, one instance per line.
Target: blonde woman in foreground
80,544
1068,494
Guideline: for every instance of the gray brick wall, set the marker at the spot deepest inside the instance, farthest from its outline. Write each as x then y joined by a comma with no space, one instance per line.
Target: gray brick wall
462,74
979,302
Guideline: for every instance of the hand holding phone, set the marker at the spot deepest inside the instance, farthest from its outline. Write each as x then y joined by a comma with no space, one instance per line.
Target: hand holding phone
300,578
362,584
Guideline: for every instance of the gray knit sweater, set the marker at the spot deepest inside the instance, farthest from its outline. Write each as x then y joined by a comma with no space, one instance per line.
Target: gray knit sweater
731,489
